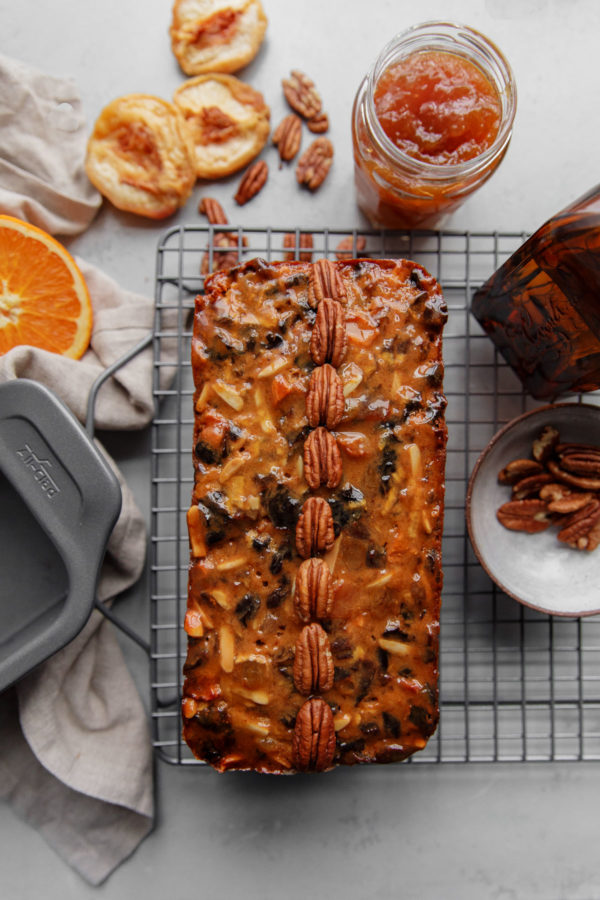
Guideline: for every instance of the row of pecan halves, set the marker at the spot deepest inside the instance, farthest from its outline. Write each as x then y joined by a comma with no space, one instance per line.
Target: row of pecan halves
313,744
559,485
228,247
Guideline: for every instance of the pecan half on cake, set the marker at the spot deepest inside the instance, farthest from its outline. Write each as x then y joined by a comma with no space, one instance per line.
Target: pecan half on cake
316,516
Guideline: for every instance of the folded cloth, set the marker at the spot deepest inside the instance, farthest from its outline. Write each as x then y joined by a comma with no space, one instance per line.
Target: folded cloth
77,762
43,137
75,753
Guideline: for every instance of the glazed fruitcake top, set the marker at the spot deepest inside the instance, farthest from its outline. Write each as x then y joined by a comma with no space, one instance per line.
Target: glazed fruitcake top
316,518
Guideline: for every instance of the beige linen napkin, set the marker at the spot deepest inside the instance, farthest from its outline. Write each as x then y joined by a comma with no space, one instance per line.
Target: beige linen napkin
43,137
76,762
75,753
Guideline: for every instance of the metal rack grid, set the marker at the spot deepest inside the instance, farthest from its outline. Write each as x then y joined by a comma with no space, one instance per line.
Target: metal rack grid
515,684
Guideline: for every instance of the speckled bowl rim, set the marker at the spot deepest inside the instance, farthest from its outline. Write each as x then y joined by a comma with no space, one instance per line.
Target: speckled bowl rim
476,468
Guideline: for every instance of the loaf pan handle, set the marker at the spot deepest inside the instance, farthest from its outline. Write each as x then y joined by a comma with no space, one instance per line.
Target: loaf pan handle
90,428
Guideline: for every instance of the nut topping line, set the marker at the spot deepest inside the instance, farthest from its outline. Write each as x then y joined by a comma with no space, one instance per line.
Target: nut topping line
314,732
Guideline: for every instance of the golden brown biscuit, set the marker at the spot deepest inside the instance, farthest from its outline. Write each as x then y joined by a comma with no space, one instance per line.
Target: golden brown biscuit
216,35
141,156
228,120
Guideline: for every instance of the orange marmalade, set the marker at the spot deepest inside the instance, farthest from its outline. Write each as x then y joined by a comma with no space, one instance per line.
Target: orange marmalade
431,123
438,107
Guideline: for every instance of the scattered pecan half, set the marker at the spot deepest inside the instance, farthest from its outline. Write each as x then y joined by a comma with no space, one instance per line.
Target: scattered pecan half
545,443
530,486
569,503
314,528
288,136
325,397
560,485
313,598
518,469
305,243
315,163
318,124
524,515
582,482
213,211
325,281
580,460
313,662
224,258
329,337
554,491
349,247
253,181
322,460
300,92
313,741
581,530
576,447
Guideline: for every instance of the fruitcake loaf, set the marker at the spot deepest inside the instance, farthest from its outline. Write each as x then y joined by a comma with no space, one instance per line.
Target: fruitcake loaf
316,518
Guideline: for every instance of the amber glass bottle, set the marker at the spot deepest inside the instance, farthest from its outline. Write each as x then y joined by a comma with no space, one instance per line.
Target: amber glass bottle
542,307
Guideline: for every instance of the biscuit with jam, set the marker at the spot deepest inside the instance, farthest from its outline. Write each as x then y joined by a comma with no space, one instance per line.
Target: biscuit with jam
141,157
228,121
216,35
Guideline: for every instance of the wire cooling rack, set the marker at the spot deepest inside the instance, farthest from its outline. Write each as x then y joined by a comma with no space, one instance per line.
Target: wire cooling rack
515,684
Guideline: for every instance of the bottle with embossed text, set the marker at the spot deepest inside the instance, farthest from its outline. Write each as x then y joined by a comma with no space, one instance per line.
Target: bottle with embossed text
542,307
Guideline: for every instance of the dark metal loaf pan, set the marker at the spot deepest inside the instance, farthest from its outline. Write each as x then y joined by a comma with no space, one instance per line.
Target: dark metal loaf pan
59,501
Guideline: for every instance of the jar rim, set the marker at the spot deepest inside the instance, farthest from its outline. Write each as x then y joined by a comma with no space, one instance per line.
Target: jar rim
478,49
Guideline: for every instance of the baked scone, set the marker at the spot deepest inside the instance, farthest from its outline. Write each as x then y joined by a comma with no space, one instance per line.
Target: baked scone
228,121
216,35
141,156
316,517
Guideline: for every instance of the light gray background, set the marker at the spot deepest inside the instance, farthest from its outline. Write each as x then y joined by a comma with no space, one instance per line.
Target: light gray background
471,832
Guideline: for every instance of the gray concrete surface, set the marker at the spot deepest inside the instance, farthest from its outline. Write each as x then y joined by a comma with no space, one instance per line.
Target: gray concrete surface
433,832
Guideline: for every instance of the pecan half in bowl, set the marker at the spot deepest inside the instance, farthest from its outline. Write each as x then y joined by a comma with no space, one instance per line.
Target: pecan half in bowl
532,521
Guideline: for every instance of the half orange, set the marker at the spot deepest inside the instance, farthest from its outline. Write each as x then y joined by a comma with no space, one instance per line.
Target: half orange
44,300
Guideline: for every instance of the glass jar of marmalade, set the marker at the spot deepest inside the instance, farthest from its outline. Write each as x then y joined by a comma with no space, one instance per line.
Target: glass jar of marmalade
542,307
430,123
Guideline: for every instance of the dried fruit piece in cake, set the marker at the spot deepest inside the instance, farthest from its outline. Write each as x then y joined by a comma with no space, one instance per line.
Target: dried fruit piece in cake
216,35
140,156
228,121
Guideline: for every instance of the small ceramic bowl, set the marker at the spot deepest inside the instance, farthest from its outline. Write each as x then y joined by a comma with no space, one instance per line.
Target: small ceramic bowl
535,569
